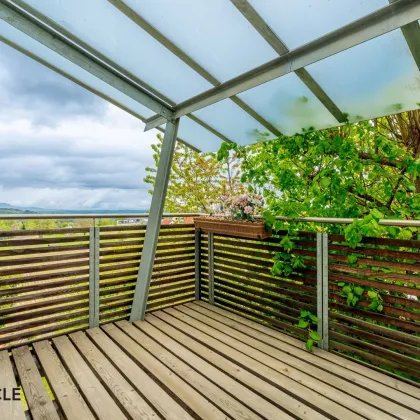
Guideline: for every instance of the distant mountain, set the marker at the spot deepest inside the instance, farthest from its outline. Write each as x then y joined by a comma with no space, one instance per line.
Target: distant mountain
8,208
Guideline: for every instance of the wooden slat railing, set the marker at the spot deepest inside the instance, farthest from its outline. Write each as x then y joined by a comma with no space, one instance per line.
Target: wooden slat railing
44,277
388,339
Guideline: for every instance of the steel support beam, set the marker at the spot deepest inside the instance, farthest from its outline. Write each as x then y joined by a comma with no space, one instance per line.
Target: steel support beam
210,257
152,31
322,288
153,225
280,48
94,243
57,43
378,23
197,262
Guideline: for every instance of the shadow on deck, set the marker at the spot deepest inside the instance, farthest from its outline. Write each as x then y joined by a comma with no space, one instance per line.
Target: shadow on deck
195,361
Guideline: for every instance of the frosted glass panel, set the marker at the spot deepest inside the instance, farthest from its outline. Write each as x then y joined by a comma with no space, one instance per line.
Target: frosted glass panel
213,33
373,79
301,21
289,105
105,28
233,122
44,53
197,136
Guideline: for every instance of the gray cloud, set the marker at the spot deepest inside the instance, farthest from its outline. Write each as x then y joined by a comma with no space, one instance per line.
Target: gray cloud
30,86
63,147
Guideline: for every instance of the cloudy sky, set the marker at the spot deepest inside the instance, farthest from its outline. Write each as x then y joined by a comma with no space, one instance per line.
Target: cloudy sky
63,147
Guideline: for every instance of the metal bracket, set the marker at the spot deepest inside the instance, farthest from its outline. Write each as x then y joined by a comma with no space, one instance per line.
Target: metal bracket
322,288
94,246
211,267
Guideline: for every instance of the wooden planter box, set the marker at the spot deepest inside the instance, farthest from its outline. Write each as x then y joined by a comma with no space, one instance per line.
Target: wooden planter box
251,230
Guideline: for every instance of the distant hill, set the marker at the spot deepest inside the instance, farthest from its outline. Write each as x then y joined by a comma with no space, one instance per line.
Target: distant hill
8,208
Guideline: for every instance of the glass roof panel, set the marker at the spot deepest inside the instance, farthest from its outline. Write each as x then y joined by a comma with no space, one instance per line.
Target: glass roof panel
233,122
106,29
289,105
213,33
302,21
198,136
376,78
19,38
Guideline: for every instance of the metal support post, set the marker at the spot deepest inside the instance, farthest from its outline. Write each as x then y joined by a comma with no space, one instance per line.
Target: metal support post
94,243
153,224
197,263
322,288
211,267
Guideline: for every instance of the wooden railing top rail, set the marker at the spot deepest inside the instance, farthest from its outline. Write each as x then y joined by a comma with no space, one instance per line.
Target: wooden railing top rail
17,216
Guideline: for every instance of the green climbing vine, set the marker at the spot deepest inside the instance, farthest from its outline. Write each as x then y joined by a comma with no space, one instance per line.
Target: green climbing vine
306,321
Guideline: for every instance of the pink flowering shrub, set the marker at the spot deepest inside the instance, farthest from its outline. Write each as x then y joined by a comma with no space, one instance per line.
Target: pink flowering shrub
242,207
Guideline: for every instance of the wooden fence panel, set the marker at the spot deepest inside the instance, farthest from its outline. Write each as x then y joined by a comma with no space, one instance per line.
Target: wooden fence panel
44,278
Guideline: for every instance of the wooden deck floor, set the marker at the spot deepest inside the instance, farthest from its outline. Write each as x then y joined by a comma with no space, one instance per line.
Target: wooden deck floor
195,361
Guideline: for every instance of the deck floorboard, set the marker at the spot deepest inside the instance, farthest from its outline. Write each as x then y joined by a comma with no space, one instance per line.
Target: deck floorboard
195,361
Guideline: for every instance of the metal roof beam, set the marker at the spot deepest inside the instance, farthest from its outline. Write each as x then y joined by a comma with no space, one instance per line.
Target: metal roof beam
54,41
152,31
382,21
278,45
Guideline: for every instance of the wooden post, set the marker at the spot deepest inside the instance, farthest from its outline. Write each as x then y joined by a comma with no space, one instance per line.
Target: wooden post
322,288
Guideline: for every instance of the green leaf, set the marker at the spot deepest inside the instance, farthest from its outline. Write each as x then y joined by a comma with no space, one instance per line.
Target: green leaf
314,335
373,305
354,301
372,294
325,182
304,313
314,319
309,344
380,308
347,289
352,259
358,291
303,324
341,284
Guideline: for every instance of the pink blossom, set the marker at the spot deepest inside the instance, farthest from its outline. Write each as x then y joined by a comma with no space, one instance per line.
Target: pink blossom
248,210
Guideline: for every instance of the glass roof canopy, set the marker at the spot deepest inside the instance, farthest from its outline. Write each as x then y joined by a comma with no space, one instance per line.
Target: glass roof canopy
240,70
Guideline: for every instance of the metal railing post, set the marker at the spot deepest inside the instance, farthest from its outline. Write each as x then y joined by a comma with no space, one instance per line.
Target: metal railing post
322,288
197,263
211,267
94,243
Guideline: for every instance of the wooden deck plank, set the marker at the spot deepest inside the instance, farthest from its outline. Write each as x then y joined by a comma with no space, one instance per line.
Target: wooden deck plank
101,402
133,403
65,390
9,410
214,393
354,372
227,374
161,401
39,402
322,395
271,347
188,395
197,342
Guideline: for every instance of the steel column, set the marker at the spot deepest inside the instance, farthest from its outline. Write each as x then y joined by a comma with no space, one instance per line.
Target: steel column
155,219
322,288
197,263
94,243
211,267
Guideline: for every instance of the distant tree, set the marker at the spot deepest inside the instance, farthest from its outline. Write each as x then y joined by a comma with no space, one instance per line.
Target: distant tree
197,181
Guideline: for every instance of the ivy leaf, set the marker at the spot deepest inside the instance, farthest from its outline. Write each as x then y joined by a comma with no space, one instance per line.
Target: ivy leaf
341,284
347,289
304,313
352,259
358,290
314,336
374,305
372,294
303,324
309,344
354,301
314,319
380,308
